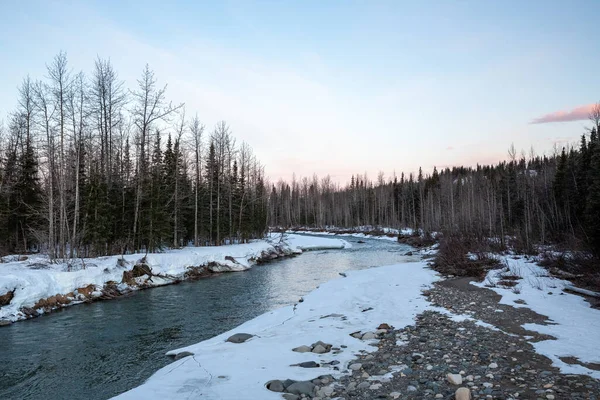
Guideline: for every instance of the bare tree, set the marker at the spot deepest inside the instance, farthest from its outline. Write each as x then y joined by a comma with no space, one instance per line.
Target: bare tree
149,108
197,130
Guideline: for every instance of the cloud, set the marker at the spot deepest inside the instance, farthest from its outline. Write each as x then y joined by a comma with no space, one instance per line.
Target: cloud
450,148
577,114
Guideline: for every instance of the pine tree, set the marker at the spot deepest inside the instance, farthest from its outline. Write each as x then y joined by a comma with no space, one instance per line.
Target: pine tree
592,210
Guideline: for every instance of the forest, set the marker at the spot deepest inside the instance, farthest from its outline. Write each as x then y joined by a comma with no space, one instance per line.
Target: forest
527,200
89,167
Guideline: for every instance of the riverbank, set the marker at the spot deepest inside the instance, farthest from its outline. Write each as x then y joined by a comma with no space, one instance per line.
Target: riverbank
32,286
403,331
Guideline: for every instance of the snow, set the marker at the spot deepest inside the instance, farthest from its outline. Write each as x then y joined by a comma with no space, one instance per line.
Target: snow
574,324
37,278
222,370
360,235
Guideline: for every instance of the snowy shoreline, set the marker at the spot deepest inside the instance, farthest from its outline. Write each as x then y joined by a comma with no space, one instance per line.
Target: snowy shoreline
341,312
34,286
358,302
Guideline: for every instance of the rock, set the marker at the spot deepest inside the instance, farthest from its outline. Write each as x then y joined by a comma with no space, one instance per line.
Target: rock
411,388
368,336
239,337
6,298
318,349
306,364
289,396
302,349
487,385
275,386
384,326
326,345
454,379
493,366
355,366
183,354
363,385
5,322
408,253
375,386
462,394
356,334
288,382
301,388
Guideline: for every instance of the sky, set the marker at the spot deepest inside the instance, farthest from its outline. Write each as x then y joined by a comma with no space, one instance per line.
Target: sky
338,87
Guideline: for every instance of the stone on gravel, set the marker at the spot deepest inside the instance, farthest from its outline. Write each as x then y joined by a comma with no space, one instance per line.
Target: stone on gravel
355,366
239,337
493,366
462,394
302,349
306,388
306,364
289,396
454,379
275,386
369,336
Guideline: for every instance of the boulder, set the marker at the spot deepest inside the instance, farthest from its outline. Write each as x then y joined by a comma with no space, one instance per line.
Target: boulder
462,394
455,379
239,337
318,349
288,382
369,336
384,326
302,388
355,366
306,364
289,396
275,386
302,349
319,343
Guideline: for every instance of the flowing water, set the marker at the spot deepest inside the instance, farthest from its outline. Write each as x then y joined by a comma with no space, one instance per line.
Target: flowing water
98,350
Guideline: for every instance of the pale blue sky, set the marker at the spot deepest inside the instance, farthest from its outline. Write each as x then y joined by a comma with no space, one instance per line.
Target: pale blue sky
336,87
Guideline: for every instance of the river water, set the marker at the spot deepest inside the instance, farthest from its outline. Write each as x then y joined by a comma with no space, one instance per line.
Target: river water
98,350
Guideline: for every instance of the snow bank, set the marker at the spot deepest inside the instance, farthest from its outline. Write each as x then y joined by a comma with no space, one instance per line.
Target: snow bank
359,302
576,326
359,235
37,278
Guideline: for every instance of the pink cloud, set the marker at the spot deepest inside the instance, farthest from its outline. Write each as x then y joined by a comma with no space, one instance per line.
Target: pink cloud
577,114
449,148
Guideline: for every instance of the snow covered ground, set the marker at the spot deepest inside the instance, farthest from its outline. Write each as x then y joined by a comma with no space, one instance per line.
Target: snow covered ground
359,302
333,231
36,278
392,294
576,325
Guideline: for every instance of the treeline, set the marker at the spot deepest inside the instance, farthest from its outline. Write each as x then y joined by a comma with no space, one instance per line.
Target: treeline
532,200
89,167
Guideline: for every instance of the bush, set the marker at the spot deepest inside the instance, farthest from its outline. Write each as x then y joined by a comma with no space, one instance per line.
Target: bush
461,255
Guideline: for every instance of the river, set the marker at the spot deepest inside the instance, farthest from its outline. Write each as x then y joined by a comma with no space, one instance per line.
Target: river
101,349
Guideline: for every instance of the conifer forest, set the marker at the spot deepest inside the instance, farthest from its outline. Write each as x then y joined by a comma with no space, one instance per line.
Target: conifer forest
91,167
